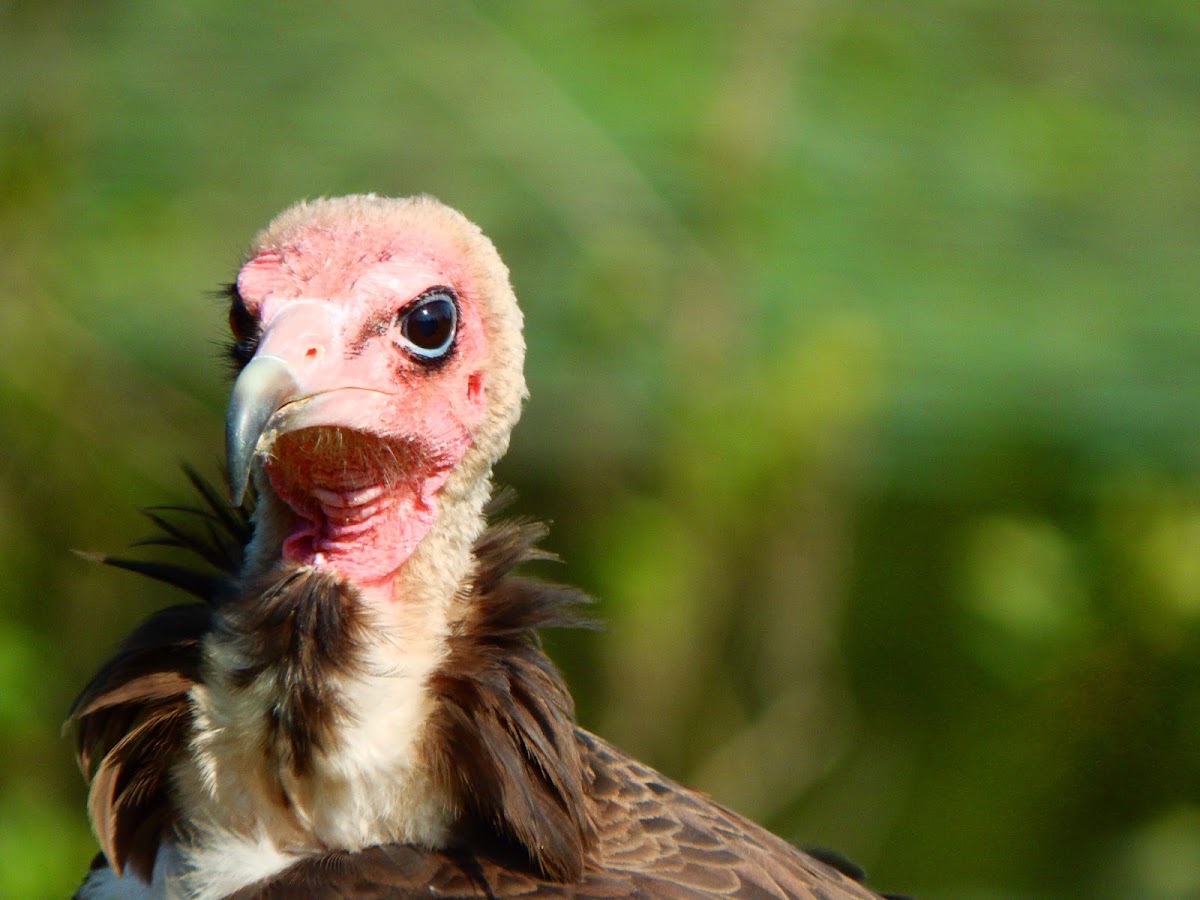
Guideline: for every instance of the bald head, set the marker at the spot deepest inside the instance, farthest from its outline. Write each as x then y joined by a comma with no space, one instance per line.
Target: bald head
383,356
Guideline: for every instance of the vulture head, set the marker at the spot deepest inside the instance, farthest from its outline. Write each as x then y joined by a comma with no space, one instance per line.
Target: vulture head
380,360
381,374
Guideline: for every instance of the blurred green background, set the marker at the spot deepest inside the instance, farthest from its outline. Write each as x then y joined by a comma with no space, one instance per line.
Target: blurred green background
865,385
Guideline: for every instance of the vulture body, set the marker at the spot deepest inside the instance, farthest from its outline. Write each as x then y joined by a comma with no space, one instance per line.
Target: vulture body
357,705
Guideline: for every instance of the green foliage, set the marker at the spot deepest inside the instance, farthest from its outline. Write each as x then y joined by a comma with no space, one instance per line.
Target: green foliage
863,363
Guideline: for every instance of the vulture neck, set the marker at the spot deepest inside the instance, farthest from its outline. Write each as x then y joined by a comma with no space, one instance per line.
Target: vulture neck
314,717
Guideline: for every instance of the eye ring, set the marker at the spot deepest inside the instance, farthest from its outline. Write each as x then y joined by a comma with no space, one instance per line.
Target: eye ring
429,325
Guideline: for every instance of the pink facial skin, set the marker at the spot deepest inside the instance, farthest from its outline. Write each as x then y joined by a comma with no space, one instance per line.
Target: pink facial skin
373,433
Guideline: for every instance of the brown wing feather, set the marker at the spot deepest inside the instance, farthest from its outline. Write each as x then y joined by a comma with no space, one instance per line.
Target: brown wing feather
131,716
660,833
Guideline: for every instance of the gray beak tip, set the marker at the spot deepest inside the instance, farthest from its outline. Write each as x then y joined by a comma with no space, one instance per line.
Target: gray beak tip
264,385
238,483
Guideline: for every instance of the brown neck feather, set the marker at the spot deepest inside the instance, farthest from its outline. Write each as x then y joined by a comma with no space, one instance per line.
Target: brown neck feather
297,626
504,730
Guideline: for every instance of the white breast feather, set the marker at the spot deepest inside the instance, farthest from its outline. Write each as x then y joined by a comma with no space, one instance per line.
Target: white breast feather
371,788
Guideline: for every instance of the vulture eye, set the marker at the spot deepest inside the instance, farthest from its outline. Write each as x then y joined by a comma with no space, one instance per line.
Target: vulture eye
429,325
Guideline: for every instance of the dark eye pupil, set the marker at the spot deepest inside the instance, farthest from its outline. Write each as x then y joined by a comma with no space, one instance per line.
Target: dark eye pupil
431,325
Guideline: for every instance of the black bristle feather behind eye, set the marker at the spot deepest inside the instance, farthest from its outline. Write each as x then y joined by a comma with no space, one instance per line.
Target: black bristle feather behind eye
243,325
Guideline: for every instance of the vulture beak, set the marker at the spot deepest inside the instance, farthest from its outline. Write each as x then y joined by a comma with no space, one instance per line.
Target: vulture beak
301,376
264,385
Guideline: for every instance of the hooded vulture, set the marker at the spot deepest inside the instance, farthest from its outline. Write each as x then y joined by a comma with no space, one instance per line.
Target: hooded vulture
358,705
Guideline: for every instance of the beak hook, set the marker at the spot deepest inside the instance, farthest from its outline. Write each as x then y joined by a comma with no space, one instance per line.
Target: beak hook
264,385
